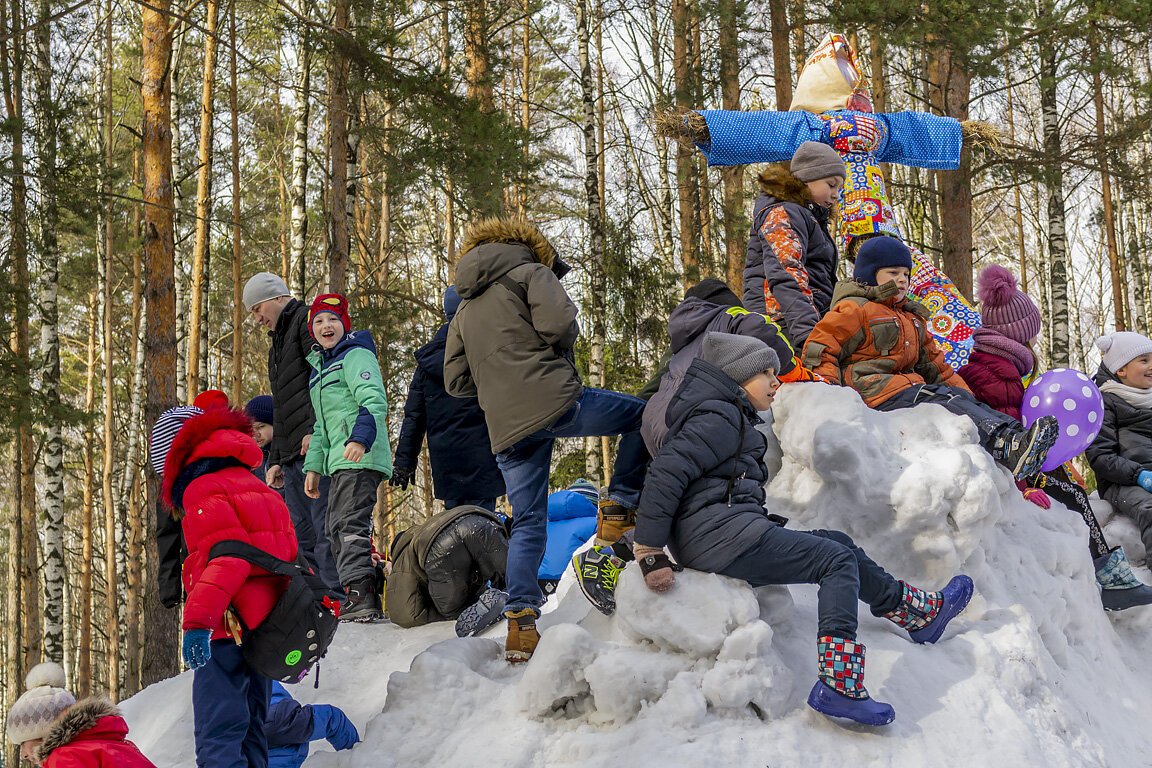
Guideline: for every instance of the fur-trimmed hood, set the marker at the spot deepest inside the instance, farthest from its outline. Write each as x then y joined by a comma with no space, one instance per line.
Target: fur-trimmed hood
82,716
777,182
493,246
882,294
217,433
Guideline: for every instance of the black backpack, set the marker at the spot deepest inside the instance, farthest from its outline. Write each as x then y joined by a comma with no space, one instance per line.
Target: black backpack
300,627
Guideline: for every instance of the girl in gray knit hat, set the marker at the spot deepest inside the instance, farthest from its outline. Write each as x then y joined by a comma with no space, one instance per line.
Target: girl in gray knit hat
790,267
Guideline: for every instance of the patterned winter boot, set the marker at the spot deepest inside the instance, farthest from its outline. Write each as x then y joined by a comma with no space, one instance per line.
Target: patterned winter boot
363,603
597,570
1119,587
926,614
522,635
840,691
612,521
1023,451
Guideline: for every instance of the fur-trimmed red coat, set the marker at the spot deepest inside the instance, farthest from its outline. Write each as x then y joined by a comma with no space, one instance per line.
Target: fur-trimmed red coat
91,734
207,474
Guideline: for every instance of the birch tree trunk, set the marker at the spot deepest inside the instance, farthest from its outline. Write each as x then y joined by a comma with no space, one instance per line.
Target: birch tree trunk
299,220
53,530
1054,181
201,253
160,637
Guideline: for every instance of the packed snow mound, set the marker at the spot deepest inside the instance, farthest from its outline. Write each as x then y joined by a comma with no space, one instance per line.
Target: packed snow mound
715,672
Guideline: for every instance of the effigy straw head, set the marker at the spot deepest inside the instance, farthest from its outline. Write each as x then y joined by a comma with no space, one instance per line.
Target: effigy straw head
831,79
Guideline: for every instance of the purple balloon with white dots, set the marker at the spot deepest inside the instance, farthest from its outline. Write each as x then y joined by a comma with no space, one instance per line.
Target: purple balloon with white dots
1076,403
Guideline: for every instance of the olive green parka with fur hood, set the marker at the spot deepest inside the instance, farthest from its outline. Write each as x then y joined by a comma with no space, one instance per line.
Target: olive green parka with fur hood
511,339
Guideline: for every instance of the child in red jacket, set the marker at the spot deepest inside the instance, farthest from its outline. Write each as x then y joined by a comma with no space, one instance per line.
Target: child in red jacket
995,372
55,731
205,458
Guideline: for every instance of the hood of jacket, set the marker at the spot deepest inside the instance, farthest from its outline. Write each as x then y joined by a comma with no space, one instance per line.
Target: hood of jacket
220,433
702,382
84,715
882,294
349,341
1103,375
690,319
493,246
778,183
430,357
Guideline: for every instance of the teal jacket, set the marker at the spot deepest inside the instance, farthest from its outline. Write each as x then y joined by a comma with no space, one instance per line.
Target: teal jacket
347,394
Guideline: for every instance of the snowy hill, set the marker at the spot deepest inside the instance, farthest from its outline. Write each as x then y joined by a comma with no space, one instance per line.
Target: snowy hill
715,673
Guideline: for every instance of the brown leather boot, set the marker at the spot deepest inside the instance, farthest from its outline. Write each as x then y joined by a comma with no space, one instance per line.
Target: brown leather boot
612,521
522,635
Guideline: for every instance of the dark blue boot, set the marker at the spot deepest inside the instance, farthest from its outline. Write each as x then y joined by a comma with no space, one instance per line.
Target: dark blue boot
926,614
840,690
1119,587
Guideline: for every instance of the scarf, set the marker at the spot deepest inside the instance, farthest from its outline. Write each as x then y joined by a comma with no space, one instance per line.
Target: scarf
994,343
1138,398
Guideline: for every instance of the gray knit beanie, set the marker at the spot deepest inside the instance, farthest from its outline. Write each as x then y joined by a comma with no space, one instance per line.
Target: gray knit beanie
263,286
815,160
44,700
1119,348
740,357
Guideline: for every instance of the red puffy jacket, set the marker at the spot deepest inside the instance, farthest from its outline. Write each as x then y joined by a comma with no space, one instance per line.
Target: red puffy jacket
995,381
91,734
229,503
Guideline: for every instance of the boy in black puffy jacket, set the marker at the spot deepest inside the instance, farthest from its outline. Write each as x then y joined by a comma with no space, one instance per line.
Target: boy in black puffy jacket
704,500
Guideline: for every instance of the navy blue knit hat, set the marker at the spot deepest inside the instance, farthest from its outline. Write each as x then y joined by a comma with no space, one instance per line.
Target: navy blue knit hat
451,302
877,253
260,409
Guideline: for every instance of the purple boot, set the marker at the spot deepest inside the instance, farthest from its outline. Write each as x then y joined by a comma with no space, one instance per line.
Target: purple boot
840,690
926,614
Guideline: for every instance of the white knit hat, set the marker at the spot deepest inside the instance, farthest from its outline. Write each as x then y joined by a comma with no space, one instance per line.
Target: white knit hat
1122,347
45,699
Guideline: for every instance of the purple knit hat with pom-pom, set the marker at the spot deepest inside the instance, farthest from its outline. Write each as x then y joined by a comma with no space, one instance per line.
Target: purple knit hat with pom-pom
1004,308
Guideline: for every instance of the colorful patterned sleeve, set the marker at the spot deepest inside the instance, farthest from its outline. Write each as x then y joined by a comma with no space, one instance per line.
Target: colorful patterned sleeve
787,294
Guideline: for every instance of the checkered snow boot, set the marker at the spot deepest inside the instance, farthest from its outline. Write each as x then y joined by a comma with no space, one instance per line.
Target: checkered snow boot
926,614
840,691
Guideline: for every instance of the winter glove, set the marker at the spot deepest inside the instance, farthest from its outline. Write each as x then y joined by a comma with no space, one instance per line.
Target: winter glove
1144,479
401,476
341,732
197,647
656,566
1038,497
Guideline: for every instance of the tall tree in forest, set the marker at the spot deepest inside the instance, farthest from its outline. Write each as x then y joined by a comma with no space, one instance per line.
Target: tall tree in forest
1053,176
685,156
1119,297
160,646
300,113
735,223
53,530
339,241
237,253
951,87
781,58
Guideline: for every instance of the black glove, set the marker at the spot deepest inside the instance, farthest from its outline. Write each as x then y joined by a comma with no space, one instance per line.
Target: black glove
401,476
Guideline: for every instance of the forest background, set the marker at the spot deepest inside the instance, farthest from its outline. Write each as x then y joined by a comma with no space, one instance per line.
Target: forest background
157,154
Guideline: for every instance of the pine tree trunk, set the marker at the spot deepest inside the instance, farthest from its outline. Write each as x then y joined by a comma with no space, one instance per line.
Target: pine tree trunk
180,224
295,278
1019,206
685,156
799,46
876,55
337,201
951,85
1119,297
735,223
53,529
160,637
1139,277
237,252
781,54
84,649
1054,181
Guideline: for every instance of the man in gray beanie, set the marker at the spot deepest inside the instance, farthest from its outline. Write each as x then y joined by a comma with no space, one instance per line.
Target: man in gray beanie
790,267
267,299
704,500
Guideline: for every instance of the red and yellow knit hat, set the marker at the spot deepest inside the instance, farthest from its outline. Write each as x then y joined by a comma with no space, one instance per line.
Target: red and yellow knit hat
334,303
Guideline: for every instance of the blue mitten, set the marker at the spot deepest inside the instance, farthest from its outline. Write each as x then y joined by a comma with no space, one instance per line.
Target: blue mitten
1144,479
197,648
342,733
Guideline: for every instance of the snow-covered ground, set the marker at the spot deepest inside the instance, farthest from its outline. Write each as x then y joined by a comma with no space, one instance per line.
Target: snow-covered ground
716,673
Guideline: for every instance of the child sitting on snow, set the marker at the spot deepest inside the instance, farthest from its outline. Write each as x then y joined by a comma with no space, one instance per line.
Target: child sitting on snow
1121,455
876,341
704,500
1001,358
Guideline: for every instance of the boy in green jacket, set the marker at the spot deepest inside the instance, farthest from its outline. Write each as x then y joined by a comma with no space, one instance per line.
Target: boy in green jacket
350,444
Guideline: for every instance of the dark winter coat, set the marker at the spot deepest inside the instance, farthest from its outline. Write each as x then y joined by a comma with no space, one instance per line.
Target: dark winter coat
290,726
704,493
687,326
514,355
790,266
876,345
91,734
463,466
1123,449
441,566
995,381
288,372
208,478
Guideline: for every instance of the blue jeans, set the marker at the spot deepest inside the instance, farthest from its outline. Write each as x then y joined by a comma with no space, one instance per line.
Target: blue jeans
309,517
989,421
488,504
229,707
526,467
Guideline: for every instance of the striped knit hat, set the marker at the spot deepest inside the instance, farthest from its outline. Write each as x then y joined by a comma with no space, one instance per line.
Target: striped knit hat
164,433
45,699
587,489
